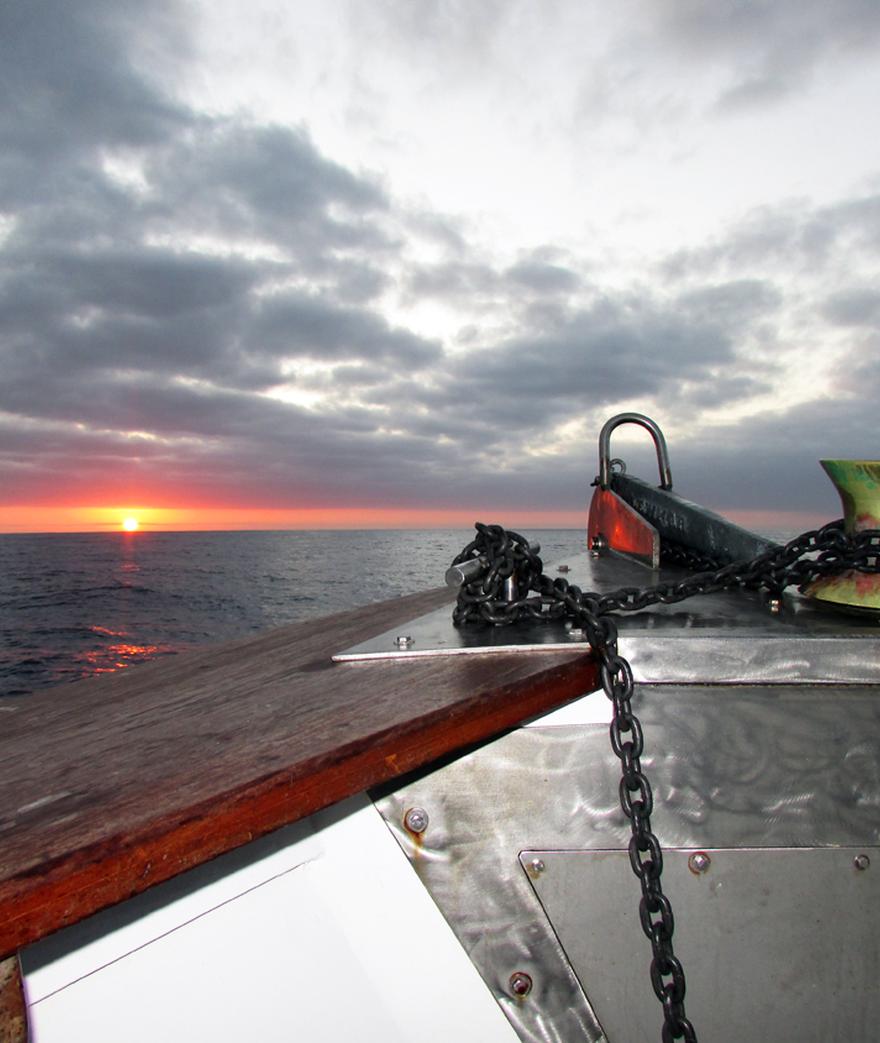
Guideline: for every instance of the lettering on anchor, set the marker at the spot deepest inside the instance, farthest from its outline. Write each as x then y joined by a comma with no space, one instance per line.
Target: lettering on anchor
664,516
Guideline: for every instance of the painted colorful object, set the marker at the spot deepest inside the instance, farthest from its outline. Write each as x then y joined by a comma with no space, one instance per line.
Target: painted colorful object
858,483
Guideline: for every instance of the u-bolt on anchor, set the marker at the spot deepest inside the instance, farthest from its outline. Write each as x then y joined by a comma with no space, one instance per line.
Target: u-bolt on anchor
659,444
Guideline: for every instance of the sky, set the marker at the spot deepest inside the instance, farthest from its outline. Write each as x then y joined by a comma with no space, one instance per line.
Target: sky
327,263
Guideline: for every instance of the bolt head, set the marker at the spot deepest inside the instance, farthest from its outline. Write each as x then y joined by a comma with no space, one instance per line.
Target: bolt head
861,862
404,641
520,983
699,862
537,865
416,820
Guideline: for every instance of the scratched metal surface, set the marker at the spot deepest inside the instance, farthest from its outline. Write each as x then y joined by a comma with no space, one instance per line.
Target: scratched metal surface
745,767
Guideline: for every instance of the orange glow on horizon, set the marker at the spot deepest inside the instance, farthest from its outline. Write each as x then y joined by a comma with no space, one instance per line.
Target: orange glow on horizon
208,519
130,523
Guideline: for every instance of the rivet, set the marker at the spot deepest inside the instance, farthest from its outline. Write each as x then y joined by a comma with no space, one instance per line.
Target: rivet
520,983
537,865
404,641
699,862
861,861
416,820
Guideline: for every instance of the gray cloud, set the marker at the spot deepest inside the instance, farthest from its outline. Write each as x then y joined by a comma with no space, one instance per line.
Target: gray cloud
771,48
854,307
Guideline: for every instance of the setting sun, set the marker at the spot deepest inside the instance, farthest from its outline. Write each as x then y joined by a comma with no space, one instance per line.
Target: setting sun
130,524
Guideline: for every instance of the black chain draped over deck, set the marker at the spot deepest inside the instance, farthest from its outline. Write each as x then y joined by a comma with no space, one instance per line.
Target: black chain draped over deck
510,585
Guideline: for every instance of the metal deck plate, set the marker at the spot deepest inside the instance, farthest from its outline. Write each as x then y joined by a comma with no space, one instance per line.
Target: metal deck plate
777,944
768,767
730,637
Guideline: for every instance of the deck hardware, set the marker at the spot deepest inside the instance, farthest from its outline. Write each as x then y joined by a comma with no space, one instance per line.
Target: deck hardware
537,866
605,461
416,820
861,861
404,641
520,983
775,605
464,571
563,568
699,862
576,633
598,545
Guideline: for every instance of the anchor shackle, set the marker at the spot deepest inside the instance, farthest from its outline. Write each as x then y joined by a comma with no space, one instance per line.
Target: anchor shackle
653,430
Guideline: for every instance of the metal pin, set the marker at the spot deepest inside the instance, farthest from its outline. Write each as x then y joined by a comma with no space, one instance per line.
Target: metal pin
464,572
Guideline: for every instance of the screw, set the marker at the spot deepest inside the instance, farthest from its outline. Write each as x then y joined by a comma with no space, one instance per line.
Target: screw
404,641
537,865
520,983
416,820
861,861
699,862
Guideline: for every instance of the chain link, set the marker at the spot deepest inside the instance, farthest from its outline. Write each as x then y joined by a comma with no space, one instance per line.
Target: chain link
511,567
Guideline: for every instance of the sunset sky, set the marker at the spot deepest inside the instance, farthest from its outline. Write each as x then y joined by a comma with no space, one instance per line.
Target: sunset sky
393,263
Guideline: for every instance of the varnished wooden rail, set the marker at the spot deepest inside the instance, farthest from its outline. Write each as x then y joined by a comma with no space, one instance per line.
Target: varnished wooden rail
112,785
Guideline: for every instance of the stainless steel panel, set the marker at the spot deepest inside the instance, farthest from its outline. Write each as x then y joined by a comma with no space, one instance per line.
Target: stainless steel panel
731,767
730,638
776,944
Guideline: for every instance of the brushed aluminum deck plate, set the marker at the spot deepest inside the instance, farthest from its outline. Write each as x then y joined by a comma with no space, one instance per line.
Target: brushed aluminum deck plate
777,944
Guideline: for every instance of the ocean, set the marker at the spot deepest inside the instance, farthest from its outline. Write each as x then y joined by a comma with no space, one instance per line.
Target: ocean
79,605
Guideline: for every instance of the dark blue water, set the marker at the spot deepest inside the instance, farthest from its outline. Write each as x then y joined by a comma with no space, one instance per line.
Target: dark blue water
73,606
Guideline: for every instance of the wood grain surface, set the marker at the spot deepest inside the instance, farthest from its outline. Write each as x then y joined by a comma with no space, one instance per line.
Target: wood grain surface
111,785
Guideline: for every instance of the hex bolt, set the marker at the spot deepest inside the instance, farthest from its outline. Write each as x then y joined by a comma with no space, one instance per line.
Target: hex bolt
861,861
404,641
416,820
520,983
699,862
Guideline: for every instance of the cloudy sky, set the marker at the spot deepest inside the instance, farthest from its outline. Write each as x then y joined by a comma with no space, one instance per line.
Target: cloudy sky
394,262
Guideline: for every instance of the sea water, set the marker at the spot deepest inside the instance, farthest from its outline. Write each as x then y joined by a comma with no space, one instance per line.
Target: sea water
78,605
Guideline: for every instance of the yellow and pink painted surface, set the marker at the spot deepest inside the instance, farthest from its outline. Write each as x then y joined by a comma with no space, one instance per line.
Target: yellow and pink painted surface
858,484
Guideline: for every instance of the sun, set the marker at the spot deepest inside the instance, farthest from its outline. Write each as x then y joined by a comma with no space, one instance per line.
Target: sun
130,524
